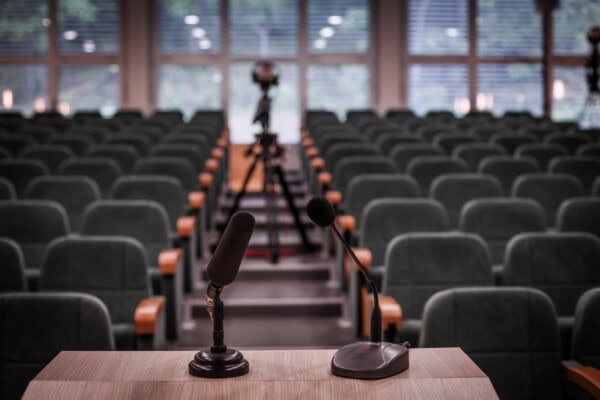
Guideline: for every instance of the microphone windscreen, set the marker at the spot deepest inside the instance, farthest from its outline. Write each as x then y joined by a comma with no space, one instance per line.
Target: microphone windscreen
225,262
320,212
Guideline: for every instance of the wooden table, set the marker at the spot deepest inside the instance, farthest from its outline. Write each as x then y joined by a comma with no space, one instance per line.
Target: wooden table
446,373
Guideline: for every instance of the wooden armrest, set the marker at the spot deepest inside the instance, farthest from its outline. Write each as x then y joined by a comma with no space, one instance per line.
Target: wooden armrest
588,378
225,132
312,152
324,178
347,223
222,142
391,312
303,132
205,179
334,197
217,153
307,142
146,315
317,163
196,200
168,260
364,256
211,165
185,226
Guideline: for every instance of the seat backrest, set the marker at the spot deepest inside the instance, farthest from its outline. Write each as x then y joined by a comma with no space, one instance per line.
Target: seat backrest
563,265
124,154
138,140
181,169
571,141
337,152
511,141
144,220
364,188
589,150
550,190
449,141
74,193
596,187
112,268
349,167
76,143
579,214
328,139
473,153
12,267
541,152
32,224
499,219
387,141
19,171
190,138
37,326
52,155
455,190
383,219
586,331
7,189
507,168
195,154
426,168
584,168
510,333
419,264
95,133
15,143
163,189
102,170
402,154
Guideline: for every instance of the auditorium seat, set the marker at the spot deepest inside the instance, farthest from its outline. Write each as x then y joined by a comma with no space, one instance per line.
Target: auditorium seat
455,190
354,116
511,141
417,265
510,333
12,267
596,187
327,139
402,154
4,154
39,133
549,190
583,167
195,154
484,132
73,193
151,132
497,220
77,143
138,140
32,224
168,192
181,169
579,214
349,167
147,222
589,150
52,155
449,141
425,168
186,138
104,171
430,130
7,189
473,153
541,152
586,329
14,144
124,154
563,265
96,133
20,171
36,327
387,141
386,126
337,152
507,168
570,141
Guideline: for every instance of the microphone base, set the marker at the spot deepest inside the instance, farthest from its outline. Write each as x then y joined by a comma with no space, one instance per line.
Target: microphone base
209,364
370,360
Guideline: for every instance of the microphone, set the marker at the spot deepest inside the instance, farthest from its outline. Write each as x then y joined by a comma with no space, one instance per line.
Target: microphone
218,361
225,262
363,360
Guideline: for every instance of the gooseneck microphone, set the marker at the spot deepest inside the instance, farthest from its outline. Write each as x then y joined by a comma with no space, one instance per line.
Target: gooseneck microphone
363,360
218,361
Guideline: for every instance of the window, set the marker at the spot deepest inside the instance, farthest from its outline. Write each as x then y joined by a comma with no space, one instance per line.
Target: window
23,87
88,26
338,26
23,27
571,24
504,87
438,27
189,27
438,87
569,91
88,87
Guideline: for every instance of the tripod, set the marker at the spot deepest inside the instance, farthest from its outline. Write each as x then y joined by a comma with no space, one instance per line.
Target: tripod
270,154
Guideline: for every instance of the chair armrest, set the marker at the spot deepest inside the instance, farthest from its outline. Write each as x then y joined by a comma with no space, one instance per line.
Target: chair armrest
196,200
312,152
587,378
185,226
334,197
324,178
364,256
168,260
205,179
211,165
146,315
347,223
217,153
307,142
317,163
391,313
222,142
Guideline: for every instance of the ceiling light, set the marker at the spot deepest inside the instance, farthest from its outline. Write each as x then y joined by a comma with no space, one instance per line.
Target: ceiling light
198,33
452,32
205,44
320,43
327,32
335,20
191,19
70,35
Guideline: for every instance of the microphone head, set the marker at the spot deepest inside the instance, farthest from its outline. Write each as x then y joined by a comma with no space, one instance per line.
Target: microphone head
225,262
320,212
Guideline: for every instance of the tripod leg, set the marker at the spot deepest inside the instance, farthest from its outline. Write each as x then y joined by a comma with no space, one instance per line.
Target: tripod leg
242,192
290,200
271,208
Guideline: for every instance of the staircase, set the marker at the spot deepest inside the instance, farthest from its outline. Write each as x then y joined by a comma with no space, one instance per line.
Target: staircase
291,303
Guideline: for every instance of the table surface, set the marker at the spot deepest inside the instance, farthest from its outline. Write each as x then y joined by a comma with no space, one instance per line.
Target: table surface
446,373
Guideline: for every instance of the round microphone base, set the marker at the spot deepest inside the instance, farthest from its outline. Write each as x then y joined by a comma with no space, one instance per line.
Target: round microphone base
227,364
370,360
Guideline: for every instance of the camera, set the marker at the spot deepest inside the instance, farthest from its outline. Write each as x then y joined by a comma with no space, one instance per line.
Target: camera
265,73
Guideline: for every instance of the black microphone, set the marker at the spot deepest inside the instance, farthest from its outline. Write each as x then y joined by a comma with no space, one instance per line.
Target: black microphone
225,262
363,360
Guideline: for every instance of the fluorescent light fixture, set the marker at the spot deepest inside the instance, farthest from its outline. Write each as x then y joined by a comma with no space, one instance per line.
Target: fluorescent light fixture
198,33
205,44
335,20
7,99
452,32
327,32
191,19
558,89
320,43
70,35
89,46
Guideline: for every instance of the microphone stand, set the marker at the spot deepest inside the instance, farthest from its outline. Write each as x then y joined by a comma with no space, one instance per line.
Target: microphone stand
373,359
218,361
